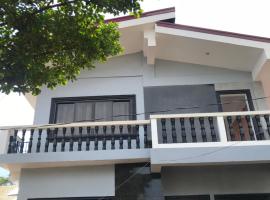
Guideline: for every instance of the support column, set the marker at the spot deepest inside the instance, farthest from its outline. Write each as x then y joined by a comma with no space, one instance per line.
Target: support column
4,141
261,72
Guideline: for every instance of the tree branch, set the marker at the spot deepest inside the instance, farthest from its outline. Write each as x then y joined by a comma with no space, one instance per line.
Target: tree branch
47,8
54,6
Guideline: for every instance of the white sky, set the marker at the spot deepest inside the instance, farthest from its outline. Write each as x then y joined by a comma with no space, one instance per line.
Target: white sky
15,110
242,16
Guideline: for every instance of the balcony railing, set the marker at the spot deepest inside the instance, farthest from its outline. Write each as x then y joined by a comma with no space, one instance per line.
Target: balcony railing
161,131
83,136
210,127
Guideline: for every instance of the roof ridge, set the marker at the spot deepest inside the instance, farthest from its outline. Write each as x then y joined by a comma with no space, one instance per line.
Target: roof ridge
214,31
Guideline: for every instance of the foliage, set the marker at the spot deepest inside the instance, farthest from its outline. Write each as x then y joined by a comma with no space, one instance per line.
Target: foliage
3,180
48,42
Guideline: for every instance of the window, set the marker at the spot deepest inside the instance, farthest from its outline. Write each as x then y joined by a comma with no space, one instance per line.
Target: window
189,197
76,198
222,197
104,108
243,197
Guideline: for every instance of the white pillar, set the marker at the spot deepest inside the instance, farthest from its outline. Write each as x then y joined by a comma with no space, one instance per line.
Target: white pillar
154,133
222,129
4,140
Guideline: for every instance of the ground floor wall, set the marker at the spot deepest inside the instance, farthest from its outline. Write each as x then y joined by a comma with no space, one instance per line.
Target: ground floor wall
136,182
88,181
212,180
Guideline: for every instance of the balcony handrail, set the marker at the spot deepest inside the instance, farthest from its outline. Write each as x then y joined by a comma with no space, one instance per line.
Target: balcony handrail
214,114
78,124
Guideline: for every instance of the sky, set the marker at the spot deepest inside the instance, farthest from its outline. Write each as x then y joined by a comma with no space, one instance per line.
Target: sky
15,110
241,16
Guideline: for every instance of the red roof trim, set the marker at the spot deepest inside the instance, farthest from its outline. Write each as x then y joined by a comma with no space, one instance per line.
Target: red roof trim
214,32
146,14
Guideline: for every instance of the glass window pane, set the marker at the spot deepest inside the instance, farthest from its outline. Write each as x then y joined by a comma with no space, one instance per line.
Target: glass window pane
103,111
234,102
84,111
65,113
121,111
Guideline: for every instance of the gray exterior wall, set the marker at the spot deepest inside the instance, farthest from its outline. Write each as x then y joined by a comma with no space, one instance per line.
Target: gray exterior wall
95,181
234,179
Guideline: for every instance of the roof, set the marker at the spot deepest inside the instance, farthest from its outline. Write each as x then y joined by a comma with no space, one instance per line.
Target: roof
145,14
214,32
190,28
158,37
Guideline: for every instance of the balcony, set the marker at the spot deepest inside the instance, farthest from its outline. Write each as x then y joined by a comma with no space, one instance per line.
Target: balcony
75,144
164,140
210,138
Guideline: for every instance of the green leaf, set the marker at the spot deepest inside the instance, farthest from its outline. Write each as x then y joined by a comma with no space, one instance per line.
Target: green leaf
48,43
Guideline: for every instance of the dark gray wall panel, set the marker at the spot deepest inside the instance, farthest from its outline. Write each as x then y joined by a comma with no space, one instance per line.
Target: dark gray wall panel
163,98
181,99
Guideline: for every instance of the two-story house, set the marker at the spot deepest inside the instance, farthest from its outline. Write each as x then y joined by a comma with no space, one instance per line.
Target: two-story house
182,114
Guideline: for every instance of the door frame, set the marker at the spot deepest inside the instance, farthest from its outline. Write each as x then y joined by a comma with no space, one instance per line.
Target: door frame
242,91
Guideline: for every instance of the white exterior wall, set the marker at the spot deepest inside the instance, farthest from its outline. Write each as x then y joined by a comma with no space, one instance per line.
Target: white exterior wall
127,75
234,179
119,76
174,73
95,181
